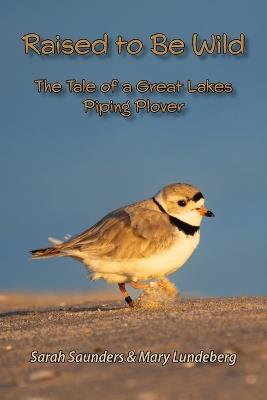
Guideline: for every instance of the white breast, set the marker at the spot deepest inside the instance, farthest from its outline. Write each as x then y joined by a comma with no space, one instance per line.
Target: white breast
154,266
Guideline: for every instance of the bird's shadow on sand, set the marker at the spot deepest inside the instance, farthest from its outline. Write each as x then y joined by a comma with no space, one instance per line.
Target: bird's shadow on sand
65,310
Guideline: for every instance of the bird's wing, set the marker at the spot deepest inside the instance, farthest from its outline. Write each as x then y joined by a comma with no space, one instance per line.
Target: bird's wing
124,234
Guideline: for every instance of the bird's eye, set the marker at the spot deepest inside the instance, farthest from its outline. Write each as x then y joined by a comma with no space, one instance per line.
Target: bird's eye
182,203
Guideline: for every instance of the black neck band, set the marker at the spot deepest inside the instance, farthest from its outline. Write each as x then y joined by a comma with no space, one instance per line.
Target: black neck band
181,225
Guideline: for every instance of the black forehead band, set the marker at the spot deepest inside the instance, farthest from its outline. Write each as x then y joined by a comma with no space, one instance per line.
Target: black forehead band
197,196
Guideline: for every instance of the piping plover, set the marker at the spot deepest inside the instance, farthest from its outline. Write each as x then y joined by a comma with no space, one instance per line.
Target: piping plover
145,240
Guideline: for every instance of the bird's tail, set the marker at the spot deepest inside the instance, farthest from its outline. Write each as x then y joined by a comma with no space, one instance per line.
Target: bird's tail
54,251
46,253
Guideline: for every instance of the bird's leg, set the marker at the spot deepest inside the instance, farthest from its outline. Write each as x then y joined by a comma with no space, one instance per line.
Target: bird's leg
137,285
126,296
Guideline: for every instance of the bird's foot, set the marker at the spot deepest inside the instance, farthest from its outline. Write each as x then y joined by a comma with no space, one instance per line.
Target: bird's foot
166,286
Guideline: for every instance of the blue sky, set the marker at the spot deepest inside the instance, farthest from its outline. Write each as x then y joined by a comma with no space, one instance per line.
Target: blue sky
61,170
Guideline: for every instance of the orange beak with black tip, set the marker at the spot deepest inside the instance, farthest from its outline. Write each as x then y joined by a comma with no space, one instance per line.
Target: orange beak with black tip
205,212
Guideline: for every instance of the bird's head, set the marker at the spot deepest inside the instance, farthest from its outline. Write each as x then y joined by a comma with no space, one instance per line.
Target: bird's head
183,201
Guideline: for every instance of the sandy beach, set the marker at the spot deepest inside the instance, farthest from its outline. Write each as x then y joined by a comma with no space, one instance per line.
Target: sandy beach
101,324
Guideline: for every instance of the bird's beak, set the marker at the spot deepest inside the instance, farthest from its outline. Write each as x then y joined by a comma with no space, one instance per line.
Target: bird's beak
205,212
